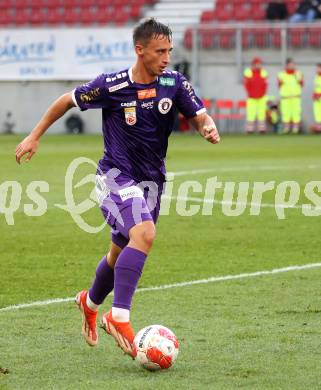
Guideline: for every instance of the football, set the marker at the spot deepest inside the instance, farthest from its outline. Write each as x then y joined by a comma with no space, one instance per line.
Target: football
156,347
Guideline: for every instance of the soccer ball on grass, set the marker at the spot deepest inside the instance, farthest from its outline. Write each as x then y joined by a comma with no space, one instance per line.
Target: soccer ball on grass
156,347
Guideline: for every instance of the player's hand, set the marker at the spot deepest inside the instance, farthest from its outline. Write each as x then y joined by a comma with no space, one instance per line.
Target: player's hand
28,145
211,134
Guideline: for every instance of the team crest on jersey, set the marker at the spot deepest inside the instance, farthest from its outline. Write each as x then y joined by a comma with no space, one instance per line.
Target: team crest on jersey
130,115
165,105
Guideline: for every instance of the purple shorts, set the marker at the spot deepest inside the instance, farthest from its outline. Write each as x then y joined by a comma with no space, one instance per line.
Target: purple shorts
126,203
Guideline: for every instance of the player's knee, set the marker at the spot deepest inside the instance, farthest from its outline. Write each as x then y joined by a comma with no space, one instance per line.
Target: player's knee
142,236
149,235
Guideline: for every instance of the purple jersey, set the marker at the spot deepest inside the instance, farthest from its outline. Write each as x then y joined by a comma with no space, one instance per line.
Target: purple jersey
138,119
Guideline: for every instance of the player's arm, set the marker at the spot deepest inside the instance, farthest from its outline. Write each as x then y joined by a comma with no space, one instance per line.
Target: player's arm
205,125
55,111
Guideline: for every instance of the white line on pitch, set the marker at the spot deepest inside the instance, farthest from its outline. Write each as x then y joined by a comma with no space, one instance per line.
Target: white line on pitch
244,168
177,285
264,205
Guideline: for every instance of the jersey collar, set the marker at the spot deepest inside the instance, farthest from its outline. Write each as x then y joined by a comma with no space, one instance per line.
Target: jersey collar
130,75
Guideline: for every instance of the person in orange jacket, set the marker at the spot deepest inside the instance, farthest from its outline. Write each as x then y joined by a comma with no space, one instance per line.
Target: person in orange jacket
255,83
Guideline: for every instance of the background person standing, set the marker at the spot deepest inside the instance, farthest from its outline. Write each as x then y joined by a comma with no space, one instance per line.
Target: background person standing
255,83
290,81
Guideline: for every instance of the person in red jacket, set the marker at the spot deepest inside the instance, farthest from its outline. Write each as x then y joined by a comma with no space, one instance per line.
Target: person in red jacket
255,83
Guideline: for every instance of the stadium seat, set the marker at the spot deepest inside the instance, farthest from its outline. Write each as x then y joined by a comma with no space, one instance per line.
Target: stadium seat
19,4
104,16
241,13
223,113
206,36
6,17
276,37
227,38
257,13
223,14
314,37
135,11
208,16
188,39
261,37
53,17
247,38
22,17
296,37
36,17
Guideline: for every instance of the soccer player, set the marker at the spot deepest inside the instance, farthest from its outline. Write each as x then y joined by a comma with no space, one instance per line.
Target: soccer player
290,82
255,83
137,117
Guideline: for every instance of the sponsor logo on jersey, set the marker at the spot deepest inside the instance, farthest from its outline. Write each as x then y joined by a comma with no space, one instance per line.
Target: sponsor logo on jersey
188,87
148,105
130,192
90,95
146,93
165,105
129,104
167,81
130,115
118,76
118,86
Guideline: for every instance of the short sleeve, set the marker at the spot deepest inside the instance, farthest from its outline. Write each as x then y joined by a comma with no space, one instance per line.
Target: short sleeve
187,102
93,94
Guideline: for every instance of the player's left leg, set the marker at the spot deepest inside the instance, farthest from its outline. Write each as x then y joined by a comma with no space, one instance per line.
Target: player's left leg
89,302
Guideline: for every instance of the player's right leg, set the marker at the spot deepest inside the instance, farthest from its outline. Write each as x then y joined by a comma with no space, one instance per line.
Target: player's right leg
89,301
128,271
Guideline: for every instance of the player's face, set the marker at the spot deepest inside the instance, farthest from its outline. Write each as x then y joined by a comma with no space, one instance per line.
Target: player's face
155,55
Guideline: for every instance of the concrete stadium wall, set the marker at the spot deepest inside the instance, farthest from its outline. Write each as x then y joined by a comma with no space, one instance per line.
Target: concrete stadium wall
29,100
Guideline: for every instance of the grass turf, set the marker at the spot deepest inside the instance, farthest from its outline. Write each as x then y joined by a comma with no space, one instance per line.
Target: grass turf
261,333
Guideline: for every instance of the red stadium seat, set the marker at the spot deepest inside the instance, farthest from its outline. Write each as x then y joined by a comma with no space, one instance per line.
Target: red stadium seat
223,14
103,16
121,17
52,4
261,37
188,39
21,4
37,17
70,16
242,13
227,38
296,37
314,37
208,16
276,37
135,11
36,4
247,38
22,17
206,38
53,17
6,17
257,13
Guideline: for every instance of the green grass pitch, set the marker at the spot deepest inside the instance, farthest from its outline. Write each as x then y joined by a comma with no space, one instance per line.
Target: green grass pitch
253,333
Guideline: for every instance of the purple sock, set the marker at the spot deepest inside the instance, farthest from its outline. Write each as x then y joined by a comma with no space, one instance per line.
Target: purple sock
128,270
103,283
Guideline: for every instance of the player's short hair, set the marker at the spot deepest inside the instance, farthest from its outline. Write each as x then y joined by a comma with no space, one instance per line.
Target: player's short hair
319,64
150,28
289,60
